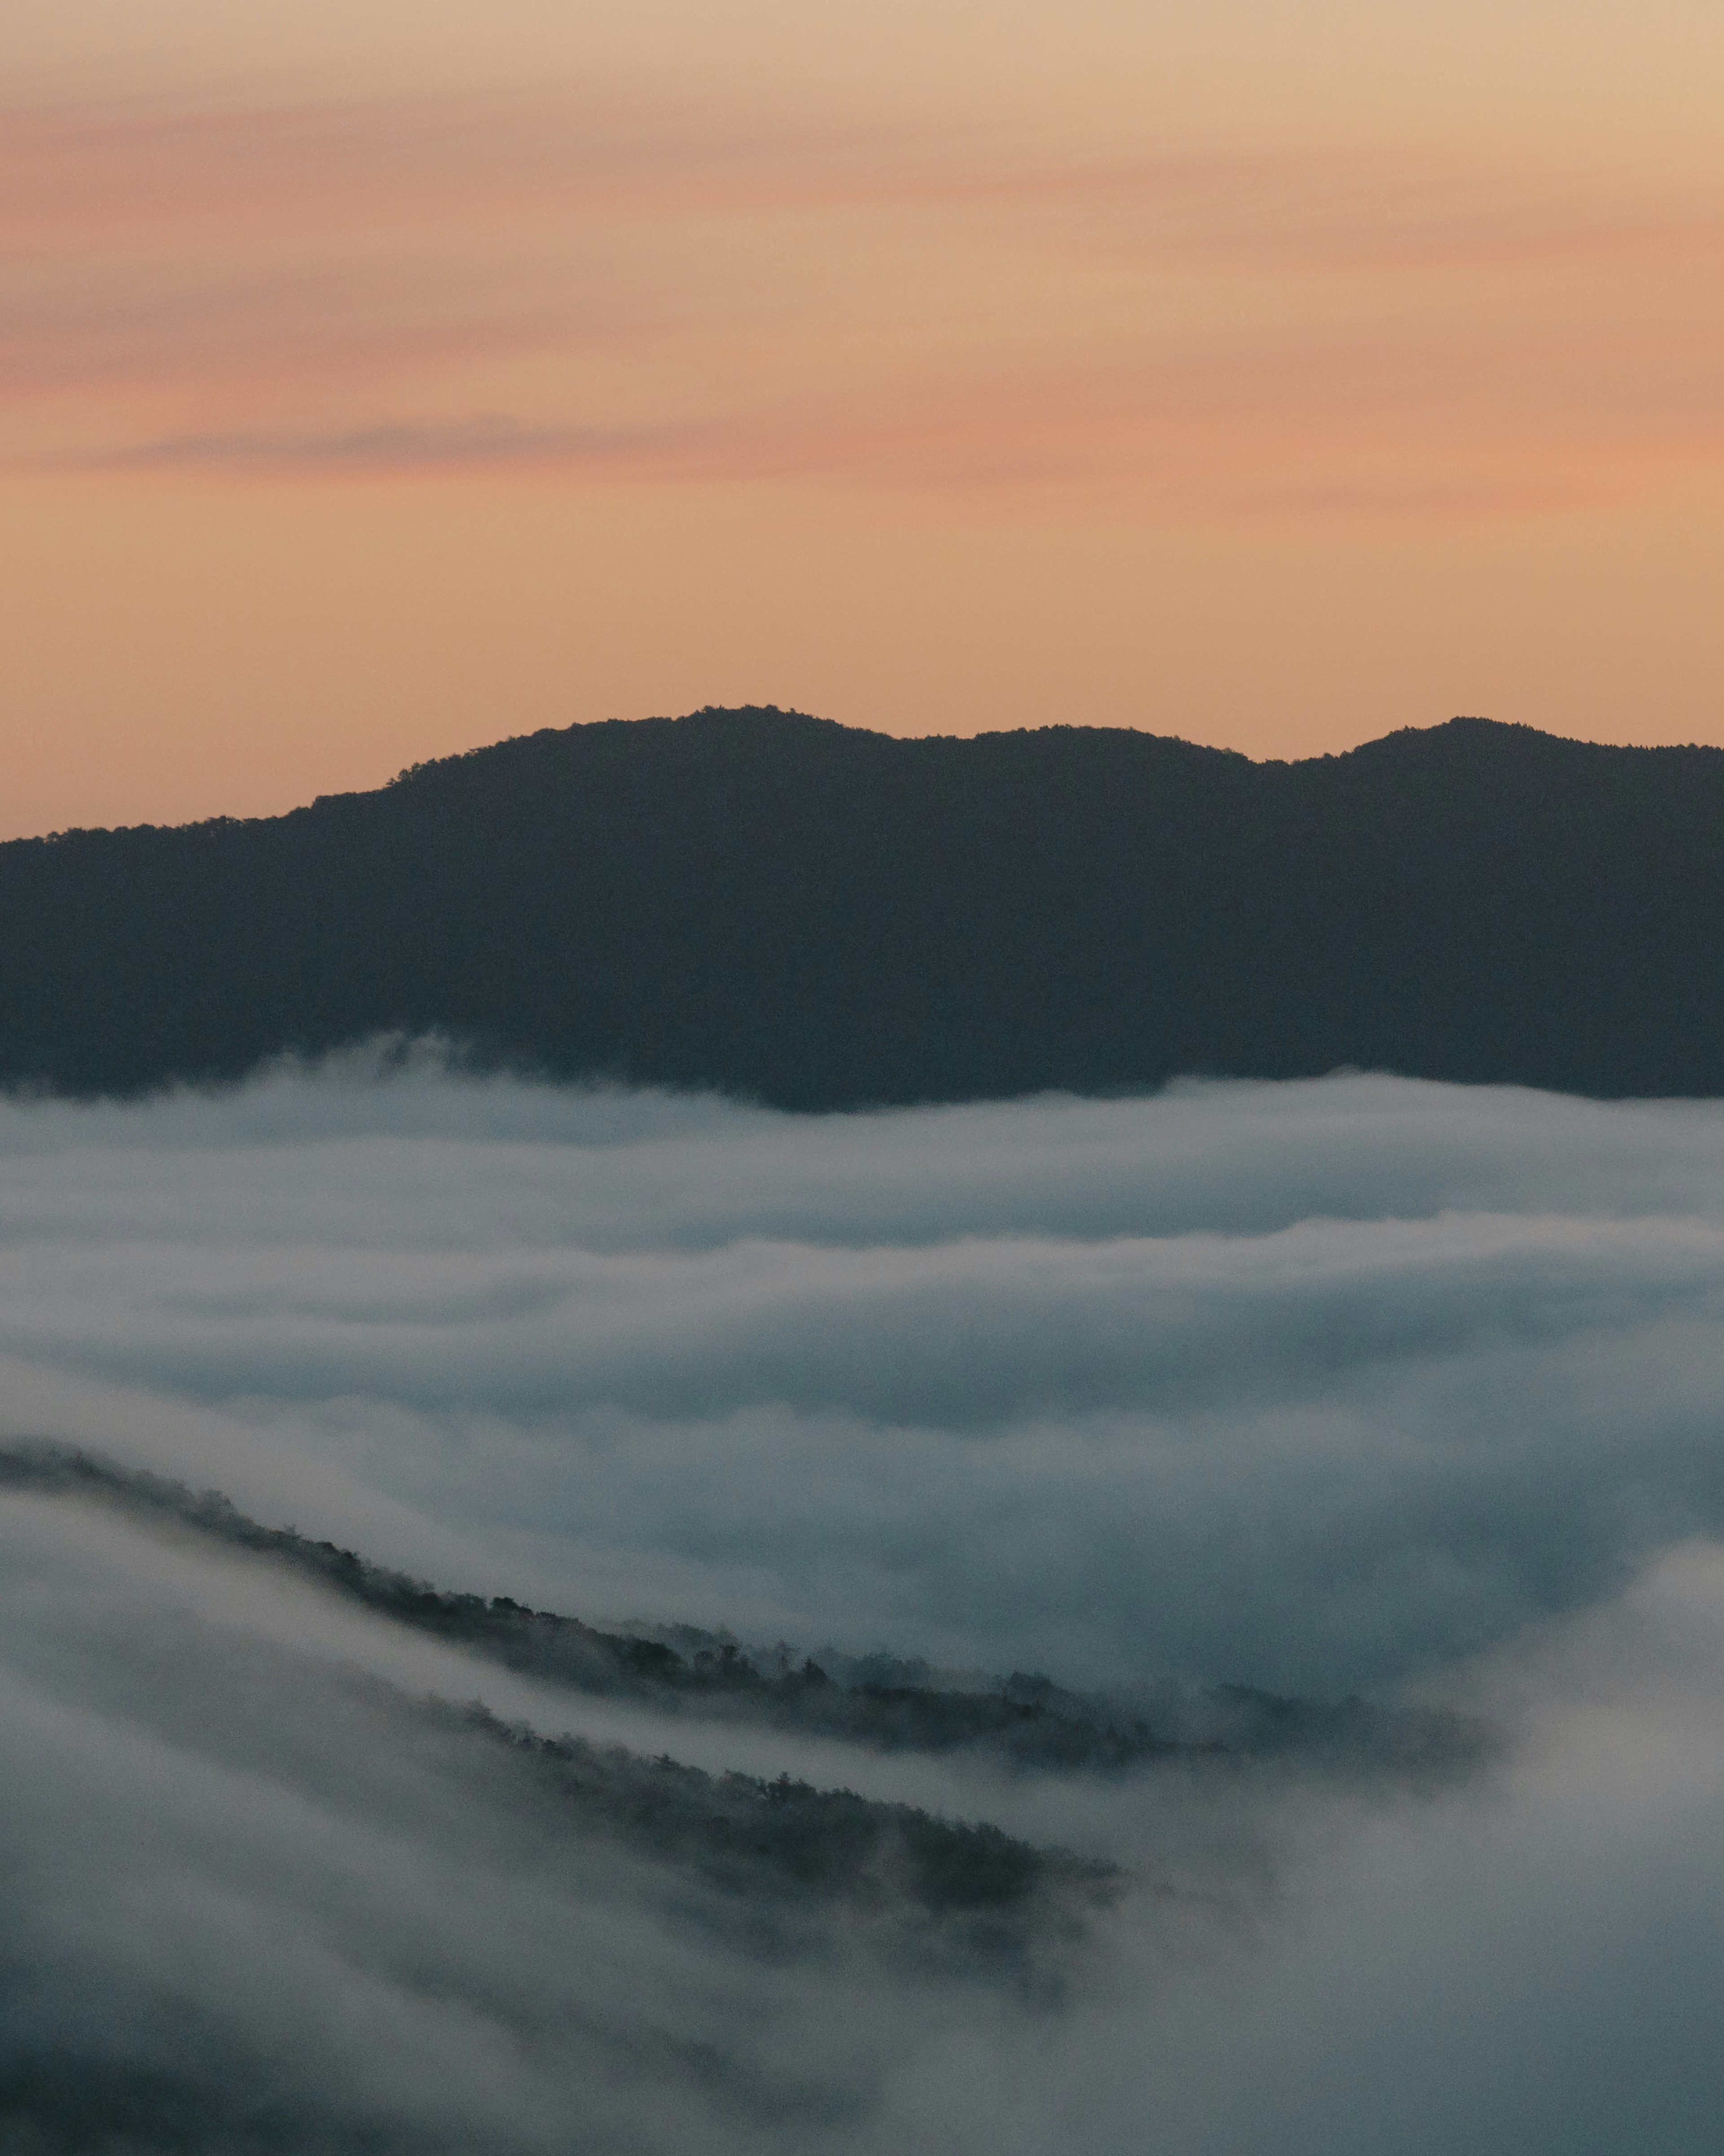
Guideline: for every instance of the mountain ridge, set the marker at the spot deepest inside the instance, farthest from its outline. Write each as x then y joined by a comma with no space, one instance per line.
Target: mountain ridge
777,906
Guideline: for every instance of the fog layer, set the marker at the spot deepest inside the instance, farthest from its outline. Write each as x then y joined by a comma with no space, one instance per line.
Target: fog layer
1350,1384
1310,1386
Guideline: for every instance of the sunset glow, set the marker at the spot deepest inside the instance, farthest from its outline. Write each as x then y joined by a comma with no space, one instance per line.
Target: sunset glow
387,381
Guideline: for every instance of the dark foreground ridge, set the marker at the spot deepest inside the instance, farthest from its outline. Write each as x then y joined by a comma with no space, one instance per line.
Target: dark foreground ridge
1025,1721
822,917
750,1836
657,1944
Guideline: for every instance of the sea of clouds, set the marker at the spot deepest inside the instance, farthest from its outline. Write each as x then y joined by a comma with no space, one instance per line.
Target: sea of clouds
1353,1385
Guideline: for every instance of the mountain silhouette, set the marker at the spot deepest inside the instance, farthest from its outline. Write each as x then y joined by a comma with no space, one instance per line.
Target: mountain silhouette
819,917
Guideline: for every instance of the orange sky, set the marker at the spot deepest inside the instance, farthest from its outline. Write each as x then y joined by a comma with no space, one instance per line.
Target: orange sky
397,378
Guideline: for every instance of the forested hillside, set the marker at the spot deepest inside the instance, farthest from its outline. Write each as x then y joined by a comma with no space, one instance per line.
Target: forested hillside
820,916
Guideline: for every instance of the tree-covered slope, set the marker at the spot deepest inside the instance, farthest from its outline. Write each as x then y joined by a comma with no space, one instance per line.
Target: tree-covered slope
821,916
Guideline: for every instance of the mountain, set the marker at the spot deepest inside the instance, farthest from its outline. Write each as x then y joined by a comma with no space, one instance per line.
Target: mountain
821,916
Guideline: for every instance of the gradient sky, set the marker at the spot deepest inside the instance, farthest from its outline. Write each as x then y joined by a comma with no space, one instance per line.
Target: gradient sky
380,379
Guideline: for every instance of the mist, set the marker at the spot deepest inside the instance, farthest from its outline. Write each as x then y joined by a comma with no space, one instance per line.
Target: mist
1313,1387
1358,1386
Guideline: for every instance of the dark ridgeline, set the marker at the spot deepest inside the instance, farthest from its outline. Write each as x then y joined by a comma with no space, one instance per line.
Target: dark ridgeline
1026,1721
823,917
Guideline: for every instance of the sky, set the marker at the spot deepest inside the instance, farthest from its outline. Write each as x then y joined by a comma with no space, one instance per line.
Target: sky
379,381
1355,1383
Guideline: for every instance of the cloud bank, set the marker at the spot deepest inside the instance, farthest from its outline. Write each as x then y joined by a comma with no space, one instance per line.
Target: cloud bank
1311,1387
1357,1384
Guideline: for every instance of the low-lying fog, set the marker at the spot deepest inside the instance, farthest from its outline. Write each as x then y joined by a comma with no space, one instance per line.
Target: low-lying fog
1359,1385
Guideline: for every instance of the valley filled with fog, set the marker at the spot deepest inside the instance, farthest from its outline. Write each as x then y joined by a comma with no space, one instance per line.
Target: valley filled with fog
1253,1556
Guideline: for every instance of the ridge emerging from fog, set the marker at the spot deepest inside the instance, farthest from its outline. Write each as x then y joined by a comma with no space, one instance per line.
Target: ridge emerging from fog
772,906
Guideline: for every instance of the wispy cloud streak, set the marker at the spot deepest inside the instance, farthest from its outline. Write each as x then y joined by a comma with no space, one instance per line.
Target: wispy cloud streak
83,174
652,288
